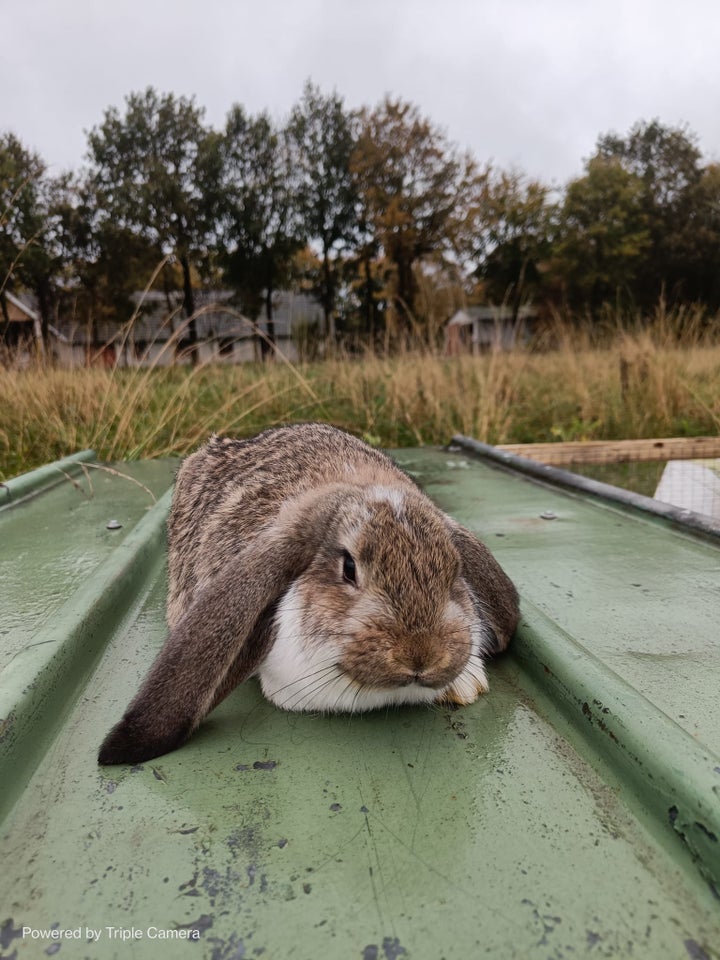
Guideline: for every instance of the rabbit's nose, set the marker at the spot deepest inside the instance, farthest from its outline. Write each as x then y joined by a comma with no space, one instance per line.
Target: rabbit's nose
415,672
431,667
423,679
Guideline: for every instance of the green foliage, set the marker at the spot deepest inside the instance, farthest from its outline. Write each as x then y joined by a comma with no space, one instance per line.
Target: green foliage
603,234
154,171
22,210
150,169
261,229
513,222
666,162
410,178
697,243
34,213
374,212
666,159
322,137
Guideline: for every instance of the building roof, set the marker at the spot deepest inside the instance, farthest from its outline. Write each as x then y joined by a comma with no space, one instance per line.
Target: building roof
23,307
491,314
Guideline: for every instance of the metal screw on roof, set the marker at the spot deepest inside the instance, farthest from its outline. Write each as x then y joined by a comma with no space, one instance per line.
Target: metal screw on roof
113,525
548,515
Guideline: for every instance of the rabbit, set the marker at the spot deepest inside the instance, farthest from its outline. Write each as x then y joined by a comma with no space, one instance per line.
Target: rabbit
308,558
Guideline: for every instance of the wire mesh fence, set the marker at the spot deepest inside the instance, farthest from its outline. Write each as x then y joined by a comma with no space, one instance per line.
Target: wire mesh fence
682,471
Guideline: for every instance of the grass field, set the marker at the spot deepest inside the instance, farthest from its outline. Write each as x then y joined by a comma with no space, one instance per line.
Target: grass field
658,380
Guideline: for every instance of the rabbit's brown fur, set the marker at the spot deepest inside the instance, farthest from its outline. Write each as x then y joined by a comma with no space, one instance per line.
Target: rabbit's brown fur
259,537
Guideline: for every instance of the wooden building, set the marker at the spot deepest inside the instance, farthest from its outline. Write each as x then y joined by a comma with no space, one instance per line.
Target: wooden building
19,323
481,329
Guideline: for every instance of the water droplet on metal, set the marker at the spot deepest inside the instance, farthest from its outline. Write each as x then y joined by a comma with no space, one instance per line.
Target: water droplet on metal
548,515
113,525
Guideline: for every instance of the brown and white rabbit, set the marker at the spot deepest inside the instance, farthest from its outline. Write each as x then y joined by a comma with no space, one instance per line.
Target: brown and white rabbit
308,558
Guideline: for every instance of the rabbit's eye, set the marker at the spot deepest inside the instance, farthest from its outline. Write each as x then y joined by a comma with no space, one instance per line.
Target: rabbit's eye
348,568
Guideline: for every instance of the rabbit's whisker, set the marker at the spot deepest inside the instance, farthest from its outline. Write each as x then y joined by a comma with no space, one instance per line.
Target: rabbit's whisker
346,686
308,681
312,691
360,689
329,665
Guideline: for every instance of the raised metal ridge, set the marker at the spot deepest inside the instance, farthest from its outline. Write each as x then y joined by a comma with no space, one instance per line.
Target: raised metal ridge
687,519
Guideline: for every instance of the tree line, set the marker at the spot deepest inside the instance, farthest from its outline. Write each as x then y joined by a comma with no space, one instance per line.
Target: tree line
375,211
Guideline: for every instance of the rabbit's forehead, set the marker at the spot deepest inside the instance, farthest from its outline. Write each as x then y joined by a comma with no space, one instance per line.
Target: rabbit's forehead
403,542
372,505
395,498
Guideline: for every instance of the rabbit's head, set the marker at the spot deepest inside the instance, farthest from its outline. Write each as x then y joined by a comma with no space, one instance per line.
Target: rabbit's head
381,615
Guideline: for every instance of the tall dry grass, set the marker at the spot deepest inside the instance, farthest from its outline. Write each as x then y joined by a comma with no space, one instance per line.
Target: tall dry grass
607,381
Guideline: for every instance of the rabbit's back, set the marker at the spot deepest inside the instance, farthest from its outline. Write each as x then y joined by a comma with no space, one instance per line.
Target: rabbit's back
229,489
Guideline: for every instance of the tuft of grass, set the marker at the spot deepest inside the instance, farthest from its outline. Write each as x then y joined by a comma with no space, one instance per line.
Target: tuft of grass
612,381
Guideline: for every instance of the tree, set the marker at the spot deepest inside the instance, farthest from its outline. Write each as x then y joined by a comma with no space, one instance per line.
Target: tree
410,178
697,242
323,138
32,254
260,222
666,161
603,235
511,227
106,261
155,170
21,220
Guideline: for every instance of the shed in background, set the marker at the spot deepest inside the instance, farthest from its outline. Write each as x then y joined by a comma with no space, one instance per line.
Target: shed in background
480,329
158,336
20,324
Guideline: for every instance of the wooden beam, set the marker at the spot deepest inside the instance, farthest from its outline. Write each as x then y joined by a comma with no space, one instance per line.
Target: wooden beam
618,451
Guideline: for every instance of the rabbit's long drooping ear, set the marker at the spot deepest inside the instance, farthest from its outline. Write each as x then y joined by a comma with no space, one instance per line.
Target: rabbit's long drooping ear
190,673
493,591
182,683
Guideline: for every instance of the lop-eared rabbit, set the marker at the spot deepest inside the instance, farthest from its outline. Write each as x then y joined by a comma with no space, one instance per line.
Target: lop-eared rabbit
309,559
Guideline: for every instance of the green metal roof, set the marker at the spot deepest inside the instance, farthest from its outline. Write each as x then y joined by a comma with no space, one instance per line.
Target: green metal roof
573,811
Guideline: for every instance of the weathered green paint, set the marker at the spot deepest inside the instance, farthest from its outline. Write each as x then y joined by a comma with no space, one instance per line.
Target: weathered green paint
52,474
569,813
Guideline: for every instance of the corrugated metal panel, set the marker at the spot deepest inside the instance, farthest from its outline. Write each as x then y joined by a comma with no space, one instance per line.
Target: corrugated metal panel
573,811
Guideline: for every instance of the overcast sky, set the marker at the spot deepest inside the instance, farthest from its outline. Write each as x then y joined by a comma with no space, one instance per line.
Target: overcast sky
529,83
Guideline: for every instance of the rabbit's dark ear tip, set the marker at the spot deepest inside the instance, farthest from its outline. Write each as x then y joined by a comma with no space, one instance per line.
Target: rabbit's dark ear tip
127,744
117,747
122,745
